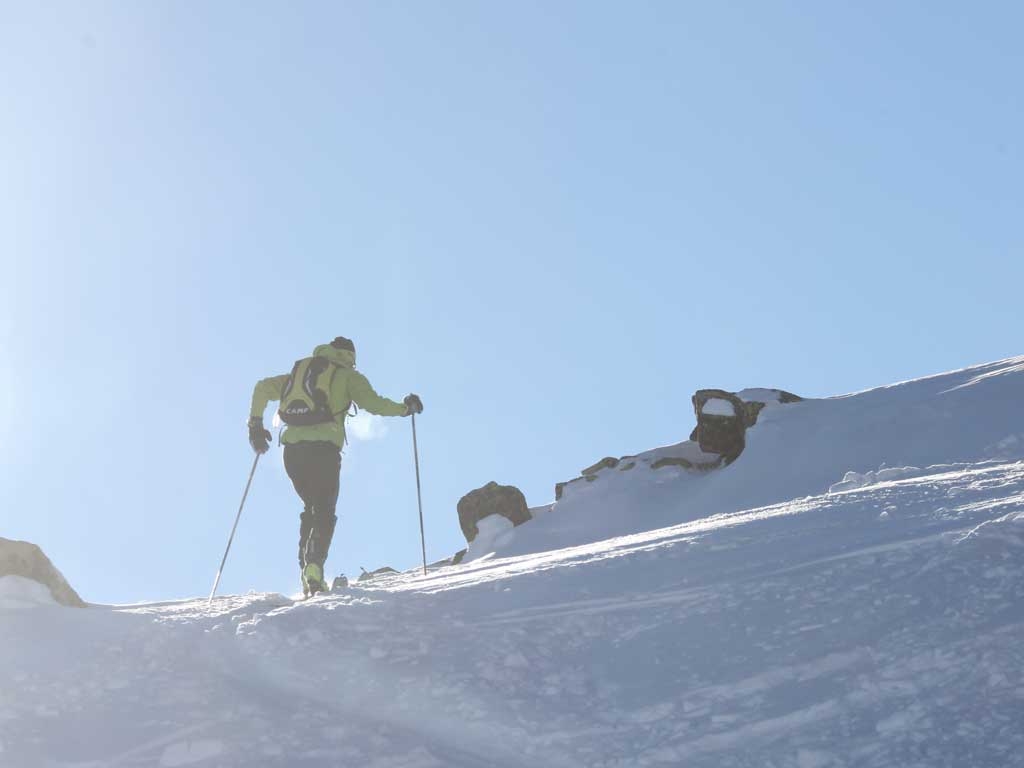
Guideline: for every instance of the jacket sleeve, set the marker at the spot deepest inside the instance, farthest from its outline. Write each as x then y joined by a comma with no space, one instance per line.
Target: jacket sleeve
266,390
366,398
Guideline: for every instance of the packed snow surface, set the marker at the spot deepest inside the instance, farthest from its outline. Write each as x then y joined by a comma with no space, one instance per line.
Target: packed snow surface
879,624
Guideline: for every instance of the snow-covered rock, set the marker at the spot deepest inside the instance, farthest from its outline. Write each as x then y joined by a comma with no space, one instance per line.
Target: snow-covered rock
796,448
723,418
27,561
492,499
718,439
686,455
716,406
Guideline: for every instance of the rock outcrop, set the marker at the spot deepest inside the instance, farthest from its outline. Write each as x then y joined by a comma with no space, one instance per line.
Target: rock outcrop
719,438
686,455
492,499
723,418
20,558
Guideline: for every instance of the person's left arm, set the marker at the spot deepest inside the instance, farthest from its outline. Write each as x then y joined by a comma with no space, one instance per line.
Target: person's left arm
364,395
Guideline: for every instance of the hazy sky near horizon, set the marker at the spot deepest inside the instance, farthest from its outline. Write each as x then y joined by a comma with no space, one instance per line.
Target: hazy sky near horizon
554,221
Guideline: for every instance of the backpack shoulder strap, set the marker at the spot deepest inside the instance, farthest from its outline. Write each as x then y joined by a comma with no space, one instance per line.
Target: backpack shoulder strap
290,380
330,385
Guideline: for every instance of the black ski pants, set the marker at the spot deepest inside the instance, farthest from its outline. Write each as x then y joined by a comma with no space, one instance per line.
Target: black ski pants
314,468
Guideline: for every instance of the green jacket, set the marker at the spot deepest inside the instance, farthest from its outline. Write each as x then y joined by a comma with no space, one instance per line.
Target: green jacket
349,386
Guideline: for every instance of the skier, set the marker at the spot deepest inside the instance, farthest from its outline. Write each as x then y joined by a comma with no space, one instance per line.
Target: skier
315,399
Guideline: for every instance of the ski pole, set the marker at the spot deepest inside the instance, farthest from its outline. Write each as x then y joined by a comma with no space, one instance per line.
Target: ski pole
419,493
231,538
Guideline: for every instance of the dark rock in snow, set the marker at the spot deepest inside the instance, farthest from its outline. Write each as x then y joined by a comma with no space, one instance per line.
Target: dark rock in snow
606,463
493,499
723,419
560,487
722,426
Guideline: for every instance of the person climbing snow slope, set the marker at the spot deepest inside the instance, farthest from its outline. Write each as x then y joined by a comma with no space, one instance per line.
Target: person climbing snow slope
314,400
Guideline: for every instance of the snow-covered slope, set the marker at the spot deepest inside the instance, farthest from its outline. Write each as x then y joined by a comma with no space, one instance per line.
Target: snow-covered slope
797,450
880,624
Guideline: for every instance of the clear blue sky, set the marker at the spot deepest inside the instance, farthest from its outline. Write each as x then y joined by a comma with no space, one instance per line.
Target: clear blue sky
554,221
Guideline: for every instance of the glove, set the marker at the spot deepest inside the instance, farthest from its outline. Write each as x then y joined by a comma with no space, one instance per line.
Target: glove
259,436
413,404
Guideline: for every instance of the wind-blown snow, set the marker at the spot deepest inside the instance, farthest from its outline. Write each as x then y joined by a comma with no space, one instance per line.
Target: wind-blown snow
853,480
878,625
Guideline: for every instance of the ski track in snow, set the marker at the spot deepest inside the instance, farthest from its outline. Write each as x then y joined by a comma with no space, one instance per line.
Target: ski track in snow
739,618
812,633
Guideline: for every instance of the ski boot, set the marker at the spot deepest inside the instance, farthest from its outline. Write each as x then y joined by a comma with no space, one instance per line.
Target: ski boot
313,580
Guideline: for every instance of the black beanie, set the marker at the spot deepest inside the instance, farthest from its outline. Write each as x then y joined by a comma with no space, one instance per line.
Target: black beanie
342,343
